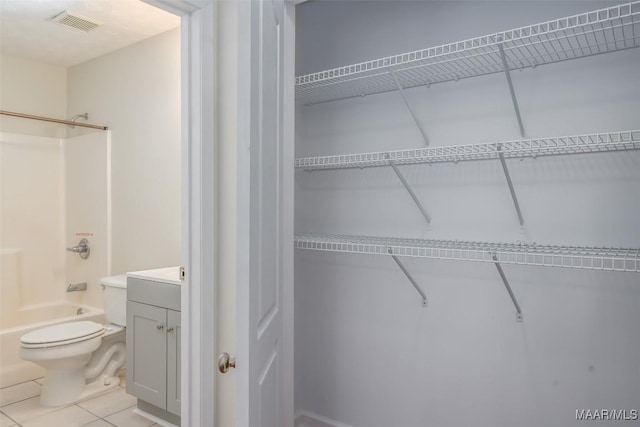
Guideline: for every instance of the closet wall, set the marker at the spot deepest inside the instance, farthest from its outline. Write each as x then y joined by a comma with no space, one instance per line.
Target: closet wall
367,352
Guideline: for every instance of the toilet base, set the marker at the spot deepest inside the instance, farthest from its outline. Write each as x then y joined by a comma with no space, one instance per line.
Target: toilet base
72,393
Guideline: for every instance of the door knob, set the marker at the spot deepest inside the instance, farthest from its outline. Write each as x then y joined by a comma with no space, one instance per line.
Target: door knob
225,362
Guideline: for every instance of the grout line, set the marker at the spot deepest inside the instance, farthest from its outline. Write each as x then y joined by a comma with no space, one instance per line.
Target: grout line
88,412
23,382
14,421
21,400
78,405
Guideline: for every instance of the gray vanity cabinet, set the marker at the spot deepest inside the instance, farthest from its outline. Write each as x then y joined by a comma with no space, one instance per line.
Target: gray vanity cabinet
147,351
174,335
153,347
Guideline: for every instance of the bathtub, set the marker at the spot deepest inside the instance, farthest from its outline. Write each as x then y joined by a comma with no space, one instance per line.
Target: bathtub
14,370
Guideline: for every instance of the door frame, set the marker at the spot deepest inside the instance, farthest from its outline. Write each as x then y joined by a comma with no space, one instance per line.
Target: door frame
199,139
198,293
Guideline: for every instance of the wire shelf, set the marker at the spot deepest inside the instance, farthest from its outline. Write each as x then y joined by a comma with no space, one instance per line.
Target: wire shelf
587,34
576,144
592,258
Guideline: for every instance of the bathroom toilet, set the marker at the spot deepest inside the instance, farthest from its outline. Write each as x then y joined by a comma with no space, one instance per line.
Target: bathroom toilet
81,359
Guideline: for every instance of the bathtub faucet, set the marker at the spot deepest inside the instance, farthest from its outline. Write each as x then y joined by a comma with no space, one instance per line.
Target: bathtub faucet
77,287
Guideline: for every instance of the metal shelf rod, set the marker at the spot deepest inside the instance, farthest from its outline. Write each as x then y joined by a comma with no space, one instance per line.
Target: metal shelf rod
506,285
512,91
406,102
409,276
510,184
407,187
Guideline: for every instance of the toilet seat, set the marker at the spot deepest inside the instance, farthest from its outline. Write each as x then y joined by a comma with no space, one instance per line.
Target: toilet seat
62,334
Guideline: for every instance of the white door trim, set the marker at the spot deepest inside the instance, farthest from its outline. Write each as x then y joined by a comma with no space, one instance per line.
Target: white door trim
198,206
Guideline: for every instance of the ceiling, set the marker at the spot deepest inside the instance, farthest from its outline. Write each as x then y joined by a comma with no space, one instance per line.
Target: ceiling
26,29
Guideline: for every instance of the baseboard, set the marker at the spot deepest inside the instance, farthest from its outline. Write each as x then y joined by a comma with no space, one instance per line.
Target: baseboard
309,419
157,420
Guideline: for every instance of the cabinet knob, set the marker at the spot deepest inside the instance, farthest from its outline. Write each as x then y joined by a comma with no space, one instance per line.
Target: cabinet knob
225,362
159,326
170,329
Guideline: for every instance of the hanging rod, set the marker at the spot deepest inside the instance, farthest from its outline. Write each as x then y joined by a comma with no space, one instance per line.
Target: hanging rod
49,119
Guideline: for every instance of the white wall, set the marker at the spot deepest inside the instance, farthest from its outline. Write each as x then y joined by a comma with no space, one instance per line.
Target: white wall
32,88
135,91
367,352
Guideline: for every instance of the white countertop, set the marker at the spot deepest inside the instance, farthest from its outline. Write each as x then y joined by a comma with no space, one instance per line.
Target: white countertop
165,275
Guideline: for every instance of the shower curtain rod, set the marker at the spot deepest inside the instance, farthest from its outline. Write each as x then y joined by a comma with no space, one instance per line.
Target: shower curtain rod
48,119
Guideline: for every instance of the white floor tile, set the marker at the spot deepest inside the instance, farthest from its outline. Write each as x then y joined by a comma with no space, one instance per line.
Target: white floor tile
27,409
98,423
6,421
18,392
72,416
109,403
127,418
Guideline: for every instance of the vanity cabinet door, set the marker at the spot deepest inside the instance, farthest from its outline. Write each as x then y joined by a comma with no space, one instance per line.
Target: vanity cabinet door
174,335
147,353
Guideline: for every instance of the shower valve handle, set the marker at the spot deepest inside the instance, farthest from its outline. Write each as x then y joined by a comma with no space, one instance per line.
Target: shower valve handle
82,249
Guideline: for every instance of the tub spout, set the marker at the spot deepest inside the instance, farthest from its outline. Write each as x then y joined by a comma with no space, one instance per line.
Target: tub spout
77,287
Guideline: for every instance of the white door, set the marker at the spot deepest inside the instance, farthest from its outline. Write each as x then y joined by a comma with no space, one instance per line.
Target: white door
262,359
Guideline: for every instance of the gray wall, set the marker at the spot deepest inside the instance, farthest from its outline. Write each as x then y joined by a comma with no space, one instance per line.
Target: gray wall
367,352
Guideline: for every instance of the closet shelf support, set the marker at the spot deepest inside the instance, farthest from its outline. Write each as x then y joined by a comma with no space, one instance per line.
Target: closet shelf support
506,285
512,91
411,279
424,212
406,102
503,162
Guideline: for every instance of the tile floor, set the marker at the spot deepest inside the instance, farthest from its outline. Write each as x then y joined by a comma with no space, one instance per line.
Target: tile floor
19,406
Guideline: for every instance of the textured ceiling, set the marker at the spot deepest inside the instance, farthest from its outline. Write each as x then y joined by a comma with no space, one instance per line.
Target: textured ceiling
26,29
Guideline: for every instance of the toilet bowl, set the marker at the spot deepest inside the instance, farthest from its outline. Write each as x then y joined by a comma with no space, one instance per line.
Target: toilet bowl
81,359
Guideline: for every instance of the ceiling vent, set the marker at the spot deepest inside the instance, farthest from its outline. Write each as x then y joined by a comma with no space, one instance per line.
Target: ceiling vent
74,20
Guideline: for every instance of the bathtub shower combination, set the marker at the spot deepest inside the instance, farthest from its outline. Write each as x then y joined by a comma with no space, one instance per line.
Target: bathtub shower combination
58,195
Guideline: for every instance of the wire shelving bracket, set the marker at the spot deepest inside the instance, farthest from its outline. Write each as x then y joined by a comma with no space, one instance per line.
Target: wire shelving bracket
407,187
409,276
512,91
406,102
512,190
508,287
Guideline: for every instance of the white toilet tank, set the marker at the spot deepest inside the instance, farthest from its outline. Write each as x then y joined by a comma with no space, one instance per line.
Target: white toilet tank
115,299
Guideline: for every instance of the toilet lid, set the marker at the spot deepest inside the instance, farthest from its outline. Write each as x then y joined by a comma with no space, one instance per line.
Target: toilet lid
64,333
